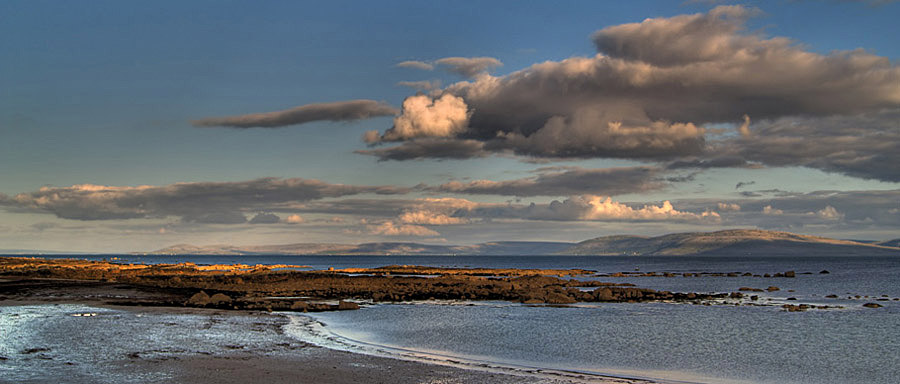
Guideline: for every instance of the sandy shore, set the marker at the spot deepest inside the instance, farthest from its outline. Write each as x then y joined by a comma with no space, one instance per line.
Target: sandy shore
190,345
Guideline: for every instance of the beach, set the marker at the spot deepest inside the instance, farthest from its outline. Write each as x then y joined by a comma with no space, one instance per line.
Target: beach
125,344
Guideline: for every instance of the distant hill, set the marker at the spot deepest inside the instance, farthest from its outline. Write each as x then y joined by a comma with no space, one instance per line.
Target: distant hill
736,242
387,248
890,243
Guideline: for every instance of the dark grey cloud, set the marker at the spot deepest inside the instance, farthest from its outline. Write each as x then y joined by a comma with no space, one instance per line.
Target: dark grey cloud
206,202
717,162
741,184
429,148
567,182
337,111
864,145
265,218
652,90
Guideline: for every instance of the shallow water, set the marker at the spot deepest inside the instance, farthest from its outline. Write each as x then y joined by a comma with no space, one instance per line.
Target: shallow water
656,340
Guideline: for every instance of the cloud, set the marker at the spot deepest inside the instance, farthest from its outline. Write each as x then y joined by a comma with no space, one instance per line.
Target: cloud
464,66
426,148
830,213
388,228
415,64
741,184
728,207
768,210
591,207
206,202
293,219
265,218
423,116
573,181
436,211
588,208
655,86
425,85
337,111
864,145
468,66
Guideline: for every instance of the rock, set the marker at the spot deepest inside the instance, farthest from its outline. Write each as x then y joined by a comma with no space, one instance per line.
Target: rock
36,350
824,272
603,294
559,298
736,295
533,301
754,297
347,305
299,306
832,296
199,298
790,274
220,298
872,305
794,308
773,288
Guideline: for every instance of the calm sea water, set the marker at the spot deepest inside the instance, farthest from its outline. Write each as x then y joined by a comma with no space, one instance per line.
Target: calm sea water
683,342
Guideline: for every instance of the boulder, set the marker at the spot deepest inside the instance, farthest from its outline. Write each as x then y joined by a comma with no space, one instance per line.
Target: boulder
199,298
872,305
220,298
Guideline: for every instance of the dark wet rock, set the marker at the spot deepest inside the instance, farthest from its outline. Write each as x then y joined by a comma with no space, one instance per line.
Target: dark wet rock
736,295
754,297
773,288
30,351
792,298
790,274
824,272
748,289
832,296
795,308
872,305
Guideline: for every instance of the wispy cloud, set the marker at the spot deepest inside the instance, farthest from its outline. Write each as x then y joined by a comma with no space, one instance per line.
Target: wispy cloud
337,111
208,202
469,67
566,182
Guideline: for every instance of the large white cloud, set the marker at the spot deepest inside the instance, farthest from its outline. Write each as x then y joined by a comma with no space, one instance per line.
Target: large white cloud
423,116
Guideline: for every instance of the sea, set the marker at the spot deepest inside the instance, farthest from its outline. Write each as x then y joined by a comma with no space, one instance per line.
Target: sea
726,341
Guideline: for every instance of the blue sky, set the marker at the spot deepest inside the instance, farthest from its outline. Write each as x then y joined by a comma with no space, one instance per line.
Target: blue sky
104,94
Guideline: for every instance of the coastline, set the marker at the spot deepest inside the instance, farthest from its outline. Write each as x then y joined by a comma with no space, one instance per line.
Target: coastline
273,356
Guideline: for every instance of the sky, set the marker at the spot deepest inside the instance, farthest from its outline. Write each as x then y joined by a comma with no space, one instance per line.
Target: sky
132,126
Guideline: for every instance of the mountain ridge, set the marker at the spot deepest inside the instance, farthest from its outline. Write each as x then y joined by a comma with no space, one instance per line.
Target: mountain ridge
731,242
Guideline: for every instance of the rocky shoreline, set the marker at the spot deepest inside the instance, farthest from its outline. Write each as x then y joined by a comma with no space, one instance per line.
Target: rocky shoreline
283,288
